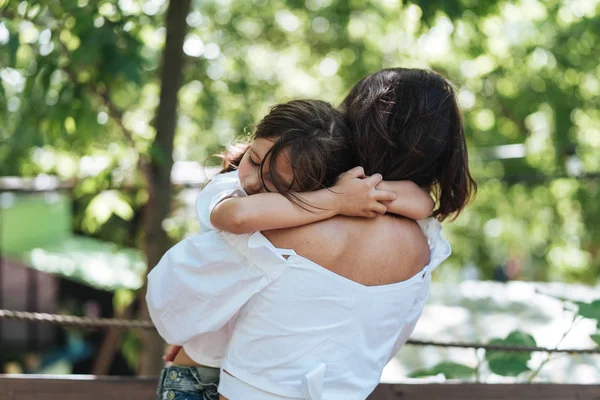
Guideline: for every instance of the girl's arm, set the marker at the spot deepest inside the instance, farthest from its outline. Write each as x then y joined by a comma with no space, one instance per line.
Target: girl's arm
411,201
352,195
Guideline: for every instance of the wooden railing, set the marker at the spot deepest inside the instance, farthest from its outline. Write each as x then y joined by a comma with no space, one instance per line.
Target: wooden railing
87,387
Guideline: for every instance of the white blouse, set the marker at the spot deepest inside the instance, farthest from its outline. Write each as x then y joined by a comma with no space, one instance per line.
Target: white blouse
279,325
199,285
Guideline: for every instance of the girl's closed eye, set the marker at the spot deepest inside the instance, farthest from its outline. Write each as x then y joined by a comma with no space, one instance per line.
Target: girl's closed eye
256,164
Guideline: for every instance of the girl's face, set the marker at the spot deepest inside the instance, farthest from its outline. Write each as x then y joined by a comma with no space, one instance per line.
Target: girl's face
249,168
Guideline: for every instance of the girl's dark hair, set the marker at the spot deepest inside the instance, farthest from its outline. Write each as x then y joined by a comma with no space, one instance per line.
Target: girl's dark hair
315,135
232,157
406,125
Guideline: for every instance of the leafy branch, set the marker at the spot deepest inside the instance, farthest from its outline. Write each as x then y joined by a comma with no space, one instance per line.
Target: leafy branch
513,364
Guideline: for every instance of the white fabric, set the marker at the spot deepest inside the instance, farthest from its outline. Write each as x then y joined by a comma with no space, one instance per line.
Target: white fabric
219,188
198,286
310,317
232,388
277,322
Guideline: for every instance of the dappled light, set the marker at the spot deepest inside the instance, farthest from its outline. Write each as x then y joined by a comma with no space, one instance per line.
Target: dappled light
524,72
83,112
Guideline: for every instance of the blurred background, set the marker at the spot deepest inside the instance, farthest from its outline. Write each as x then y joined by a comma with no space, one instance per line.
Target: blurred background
99,169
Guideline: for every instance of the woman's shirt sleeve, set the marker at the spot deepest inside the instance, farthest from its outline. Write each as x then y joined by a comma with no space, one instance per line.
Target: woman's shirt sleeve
204,280
199,285
219,188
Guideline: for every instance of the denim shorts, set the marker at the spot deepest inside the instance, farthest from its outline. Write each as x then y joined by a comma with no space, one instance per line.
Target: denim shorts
188,383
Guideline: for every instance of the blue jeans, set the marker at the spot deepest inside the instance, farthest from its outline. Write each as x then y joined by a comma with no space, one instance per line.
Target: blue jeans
188,383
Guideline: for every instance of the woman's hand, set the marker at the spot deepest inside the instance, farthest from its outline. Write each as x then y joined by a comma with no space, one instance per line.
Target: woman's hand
356,195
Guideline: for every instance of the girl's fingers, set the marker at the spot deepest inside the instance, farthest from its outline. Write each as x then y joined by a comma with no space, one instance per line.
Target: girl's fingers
379,208
384,195
374,180
356,172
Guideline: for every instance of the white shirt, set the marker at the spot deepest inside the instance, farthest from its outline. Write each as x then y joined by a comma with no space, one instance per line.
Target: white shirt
199,285
281,327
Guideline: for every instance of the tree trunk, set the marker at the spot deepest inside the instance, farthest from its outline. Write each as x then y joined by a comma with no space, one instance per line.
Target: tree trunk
158,170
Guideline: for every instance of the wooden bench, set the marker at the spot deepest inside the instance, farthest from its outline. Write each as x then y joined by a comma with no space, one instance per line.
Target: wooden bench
88,387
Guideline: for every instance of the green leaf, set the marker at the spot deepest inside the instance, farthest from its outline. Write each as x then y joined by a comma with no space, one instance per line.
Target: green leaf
596,338
450,370
510,363
590,310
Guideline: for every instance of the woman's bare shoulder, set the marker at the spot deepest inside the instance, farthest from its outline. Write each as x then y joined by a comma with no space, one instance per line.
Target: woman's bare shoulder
320,242
371,251
394,249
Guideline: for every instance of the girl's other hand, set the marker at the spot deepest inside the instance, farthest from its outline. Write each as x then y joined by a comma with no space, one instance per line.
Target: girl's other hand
356,195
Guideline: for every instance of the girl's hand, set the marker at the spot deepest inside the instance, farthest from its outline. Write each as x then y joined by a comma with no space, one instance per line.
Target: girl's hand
356,195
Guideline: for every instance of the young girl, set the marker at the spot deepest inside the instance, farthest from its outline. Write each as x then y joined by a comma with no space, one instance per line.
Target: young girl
279,181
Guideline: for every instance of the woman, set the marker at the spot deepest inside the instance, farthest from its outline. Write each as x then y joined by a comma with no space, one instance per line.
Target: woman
199,285
353,289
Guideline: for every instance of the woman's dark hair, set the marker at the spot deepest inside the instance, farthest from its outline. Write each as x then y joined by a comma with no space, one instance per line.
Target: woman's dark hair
406,125
315,135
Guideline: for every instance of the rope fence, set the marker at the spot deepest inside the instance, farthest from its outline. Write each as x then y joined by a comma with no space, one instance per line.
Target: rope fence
105,323
70,320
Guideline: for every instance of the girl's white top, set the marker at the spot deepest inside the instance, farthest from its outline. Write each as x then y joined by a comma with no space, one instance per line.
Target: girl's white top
280,325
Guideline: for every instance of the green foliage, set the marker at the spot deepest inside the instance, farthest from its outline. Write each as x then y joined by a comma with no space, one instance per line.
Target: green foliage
450,370
590,310
514,364
75,73
131,348
102,207
122,298
510,363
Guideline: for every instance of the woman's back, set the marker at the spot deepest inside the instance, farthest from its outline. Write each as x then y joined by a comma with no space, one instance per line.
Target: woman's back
348,298
371,252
